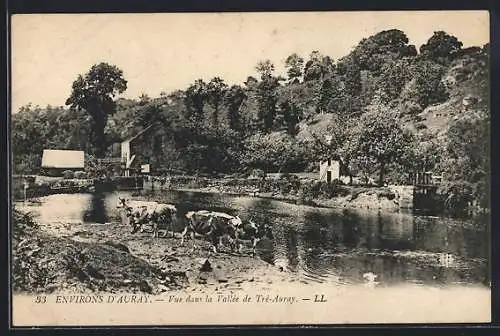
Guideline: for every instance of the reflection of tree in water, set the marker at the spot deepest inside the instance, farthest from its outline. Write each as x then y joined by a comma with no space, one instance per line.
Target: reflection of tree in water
97,212
291,243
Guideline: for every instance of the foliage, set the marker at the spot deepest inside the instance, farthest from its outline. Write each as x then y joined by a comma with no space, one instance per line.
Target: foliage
365,102
267,100
68,174
382,141
216,90
373,52
467,165
265,68
293,65
195,100
318,66
94,92
276,153
441,47
234,99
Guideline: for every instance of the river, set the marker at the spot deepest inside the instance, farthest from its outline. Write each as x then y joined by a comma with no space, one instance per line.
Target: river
328,245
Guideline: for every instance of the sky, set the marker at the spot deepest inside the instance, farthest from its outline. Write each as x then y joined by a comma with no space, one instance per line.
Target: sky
169,51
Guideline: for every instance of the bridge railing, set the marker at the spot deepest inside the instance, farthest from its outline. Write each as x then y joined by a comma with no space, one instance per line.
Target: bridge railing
425,178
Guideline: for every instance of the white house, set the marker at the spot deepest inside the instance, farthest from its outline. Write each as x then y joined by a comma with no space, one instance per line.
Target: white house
329,170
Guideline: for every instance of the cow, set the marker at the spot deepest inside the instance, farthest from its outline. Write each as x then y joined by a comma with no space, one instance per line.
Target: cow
249,230
136,211
214,225
161,216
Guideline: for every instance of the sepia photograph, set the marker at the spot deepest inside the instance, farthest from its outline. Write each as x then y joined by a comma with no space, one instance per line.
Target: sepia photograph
271,168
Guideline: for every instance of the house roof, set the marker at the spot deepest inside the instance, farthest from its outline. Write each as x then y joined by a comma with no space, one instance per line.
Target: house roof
59,158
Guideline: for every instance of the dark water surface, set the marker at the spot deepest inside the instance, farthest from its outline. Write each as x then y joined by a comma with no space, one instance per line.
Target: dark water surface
338,245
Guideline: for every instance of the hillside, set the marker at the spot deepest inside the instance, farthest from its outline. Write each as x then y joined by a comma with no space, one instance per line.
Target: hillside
388,107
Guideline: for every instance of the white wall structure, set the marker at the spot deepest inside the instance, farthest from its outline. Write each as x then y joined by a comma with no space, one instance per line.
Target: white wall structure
329,170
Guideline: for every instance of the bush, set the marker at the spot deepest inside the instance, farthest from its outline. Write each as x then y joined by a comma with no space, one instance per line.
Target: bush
258,173
321,189
456,196
80,175
68,174
22,224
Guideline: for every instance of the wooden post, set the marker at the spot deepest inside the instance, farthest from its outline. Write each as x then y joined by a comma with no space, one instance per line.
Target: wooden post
25,185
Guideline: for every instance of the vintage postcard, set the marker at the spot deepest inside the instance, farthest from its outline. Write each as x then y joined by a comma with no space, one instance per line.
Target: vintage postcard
250,168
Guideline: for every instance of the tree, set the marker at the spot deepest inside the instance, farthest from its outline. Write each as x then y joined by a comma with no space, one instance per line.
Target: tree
294,64
350,71
371,53
215,92
265,68
441,47
426,86
318,66
267,99
291,116
394,76
195,99
94,92
382,141
234,100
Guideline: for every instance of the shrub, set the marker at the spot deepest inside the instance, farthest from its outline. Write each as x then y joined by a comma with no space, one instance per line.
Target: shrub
22,224
456,196
80,175
258,173
68,174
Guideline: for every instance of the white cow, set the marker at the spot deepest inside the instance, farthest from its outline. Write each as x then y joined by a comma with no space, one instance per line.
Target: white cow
161,216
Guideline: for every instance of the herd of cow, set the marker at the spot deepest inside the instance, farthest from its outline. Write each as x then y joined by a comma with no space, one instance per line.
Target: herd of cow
216,226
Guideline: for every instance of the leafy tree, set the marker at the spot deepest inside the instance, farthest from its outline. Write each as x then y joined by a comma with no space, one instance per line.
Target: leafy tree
426,87
373,52
382,141
216,90
144,99
318,66
267,100
294,64
441,47
393,78
276,152
251,82
265,68
195,99
291,116
94,92
350,71
234,100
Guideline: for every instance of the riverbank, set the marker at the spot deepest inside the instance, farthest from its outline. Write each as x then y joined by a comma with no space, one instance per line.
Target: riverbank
57,254
374,199
68,255
311,193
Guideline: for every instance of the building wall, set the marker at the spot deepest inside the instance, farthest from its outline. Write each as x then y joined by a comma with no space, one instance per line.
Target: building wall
333,166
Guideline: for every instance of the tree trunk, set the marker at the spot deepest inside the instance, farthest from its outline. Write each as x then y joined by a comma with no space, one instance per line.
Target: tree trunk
99,138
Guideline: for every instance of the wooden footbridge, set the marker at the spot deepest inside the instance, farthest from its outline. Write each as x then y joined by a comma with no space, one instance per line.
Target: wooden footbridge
425,185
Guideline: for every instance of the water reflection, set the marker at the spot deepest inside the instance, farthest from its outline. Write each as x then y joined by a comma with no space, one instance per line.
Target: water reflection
330,245
97,213
340,246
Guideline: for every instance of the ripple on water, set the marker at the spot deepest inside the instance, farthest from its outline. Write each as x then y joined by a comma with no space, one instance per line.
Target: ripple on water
321,245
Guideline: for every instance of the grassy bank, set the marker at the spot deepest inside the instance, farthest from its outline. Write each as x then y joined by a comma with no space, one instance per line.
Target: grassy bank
287,188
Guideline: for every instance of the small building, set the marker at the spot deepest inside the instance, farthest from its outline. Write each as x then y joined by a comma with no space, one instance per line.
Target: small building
56,161
329,170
